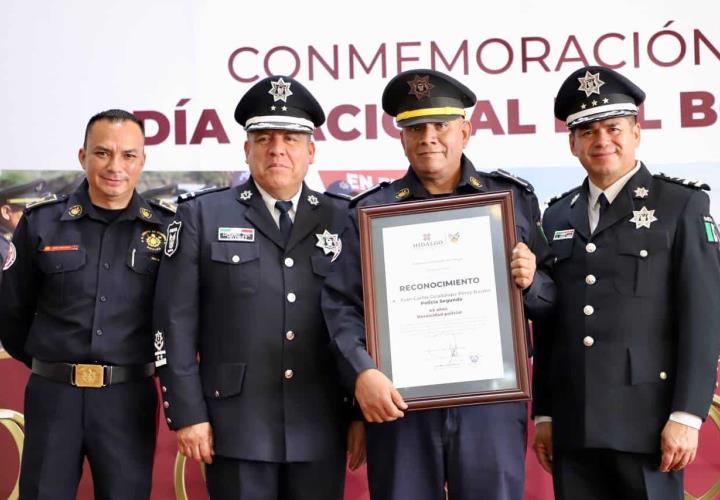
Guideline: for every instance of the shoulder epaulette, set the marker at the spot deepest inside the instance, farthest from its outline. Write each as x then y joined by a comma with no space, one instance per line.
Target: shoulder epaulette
165,205
683,182
517,180
377,187
194,194
339,196
561,196
47,200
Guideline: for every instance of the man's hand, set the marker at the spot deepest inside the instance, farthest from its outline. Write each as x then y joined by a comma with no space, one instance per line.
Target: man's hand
542,444
522,265
356,444
378,398
196,441
678,444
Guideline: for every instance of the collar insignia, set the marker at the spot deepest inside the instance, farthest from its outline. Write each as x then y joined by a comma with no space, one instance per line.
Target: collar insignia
641,192
246,195
312,199
403,193
75,211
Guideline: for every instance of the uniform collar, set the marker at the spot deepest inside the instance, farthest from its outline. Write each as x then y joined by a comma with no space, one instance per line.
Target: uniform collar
410,186
79,206
613,189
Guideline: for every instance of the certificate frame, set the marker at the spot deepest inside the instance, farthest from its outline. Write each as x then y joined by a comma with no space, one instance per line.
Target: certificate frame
513,384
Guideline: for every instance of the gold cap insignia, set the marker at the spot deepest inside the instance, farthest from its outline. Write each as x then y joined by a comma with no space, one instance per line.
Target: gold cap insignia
75,210
403,193
145,213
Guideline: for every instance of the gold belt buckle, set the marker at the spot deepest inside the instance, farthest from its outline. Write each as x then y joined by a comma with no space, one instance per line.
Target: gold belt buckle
89,376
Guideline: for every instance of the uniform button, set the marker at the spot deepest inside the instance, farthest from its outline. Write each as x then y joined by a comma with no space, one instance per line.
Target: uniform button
106,265
164,389
289,262
290,335
590,279
663,376
217,394
588,310
166,405
169,420
643,253
289,374
235,259
291,297
98,332
590,247
103,298
588,341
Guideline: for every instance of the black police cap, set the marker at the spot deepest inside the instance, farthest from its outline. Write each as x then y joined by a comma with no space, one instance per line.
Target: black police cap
22,194
425,95
596,93
279,103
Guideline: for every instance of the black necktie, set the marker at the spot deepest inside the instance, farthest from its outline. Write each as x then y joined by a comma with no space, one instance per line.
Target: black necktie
285,222
604,205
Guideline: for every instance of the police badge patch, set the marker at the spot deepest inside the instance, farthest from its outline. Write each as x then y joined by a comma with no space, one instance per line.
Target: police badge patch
153,240
159,343
10,259
172,242
330,243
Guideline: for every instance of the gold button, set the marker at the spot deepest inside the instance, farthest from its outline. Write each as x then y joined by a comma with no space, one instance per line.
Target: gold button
590,247
235,259
663,376
290,335
590,279
588,341
588,310
291,297
166,405
643,253
289,262
289,374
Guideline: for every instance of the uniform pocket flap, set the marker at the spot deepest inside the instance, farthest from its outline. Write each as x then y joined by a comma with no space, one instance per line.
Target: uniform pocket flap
650,365
645,244
223,380
61,261
320,264
562,249
234,253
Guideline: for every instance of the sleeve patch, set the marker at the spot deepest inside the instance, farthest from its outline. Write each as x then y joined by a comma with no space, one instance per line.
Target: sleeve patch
711,230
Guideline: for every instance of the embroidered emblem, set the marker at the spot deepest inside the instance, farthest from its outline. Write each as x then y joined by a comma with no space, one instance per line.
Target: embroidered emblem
420,86
330,243
145,213
159,343
236,234
643,218
641,192
711,230
75,211
590,84
10,258
312,199
246,195
153,240
475,182
565,234
403,193
172,242
280,90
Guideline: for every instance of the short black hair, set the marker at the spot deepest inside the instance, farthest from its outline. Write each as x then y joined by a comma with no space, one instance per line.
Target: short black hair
114,116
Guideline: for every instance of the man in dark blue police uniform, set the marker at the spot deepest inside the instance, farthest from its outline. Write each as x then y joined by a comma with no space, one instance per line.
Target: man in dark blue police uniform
76,308
240,286
625,371
479,451
12,203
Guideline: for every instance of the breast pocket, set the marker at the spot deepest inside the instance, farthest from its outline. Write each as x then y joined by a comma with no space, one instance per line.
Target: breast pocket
562,250
236,264
60,269
642,263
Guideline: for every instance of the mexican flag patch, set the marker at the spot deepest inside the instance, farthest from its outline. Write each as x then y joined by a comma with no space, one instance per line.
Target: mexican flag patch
711,230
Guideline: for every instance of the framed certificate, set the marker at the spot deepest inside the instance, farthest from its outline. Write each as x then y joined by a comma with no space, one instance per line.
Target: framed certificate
444,319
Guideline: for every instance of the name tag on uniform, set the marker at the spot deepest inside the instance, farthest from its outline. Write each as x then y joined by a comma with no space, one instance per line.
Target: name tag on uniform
565,234
236,234
60,248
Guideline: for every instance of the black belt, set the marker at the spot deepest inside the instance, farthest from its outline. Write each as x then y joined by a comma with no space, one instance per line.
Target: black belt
89,375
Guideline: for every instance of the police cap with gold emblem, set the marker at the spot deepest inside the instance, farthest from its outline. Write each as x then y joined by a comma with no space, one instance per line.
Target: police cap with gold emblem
596,93
22,194
425,96
279,103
